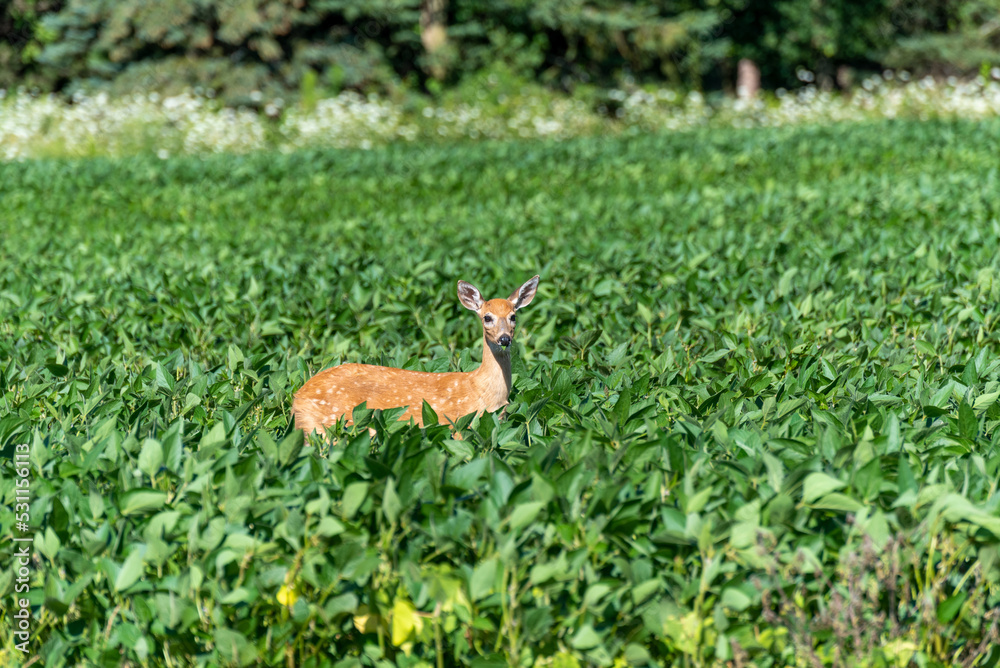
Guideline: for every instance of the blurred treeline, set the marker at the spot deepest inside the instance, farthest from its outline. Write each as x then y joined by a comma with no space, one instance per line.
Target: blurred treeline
291,47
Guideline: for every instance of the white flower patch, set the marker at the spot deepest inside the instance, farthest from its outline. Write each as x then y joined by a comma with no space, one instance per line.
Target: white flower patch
37,126
348,120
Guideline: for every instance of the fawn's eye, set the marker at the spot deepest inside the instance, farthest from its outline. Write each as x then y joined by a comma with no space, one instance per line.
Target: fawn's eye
513,319
488,319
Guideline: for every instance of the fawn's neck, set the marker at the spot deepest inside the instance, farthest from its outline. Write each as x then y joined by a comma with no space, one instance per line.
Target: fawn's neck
492,378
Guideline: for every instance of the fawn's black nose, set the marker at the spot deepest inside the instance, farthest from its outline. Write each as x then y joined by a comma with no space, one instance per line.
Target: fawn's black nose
504,340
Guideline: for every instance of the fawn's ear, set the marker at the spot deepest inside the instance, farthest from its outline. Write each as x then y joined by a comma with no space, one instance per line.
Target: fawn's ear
469,296
524,294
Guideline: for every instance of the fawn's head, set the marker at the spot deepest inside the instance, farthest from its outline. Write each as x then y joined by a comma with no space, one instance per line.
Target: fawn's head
497,315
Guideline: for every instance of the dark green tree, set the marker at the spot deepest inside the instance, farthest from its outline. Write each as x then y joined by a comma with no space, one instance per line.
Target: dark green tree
944,36
21,42
786,36
279,47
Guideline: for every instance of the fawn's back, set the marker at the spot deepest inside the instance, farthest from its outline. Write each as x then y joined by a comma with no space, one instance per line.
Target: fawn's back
336,391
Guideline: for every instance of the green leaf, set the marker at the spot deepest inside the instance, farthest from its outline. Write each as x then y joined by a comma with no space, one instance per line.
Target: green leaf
96,503
10,425
233,646
212,440
482,580
140,501
904,476
525,514
969,375
819,484
617,355
894,441
339,605
467,476
644,590
50,543
957,508
949,607
735,599
623,406
234,357
696,503
968,424
405,621
354,496
460,449
190,401
605,287
428,415
164,380
131,570
595,592
933,411
329,527
838,502
58,370
985,400
290,447
391,504
150,457
585,638
775,470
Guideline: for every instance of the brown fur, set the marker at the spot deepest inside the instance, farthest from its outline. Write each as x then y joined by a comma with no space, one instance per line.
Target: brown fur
335,392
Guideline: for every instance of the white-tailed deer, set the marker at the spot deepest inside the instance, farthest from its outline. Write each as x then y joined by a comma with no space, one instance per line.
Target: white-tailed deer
336,391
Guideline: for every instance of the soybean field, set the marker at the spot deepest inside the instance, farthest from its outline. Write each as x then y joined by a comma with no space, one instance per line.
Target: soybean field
754,418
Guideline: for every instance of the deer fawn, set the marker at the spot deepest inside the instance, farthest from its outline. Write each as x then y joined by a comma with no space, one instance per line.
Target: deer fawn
335,392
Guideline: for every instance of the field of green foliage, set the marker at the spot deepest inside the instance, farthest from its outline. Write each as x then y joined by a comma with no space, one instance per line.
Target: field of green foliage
754,417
